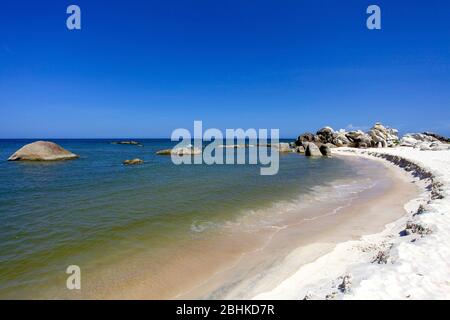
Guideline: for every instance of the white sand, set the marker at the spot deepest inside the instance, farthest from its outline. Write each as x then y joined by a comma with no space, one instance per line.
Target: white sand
416,266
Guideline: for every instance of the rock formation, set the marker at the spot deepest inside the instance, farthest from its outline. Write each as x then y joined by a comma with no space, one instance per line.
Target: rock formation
424,141
42,151
437,136
377,136
382,136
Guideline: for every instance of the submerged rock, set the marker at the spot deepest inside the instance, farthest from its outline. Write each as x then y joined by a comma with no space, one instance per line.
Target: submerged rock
180,151
312,150
131,142
133,161
42,151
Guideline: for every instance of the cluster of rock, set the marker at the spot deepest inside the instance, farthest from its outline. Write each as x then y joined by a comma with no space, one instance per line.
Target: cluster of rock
313,145
425,141
378,136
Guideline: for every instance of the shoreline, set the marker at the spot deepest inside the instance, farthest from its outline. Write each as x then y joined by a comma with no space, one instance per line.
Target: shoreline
381,265
347,223
239,264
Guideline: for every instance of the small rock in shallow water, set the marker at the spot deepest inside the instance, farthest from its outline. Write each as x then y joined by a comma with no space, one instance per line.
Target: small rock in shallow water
133,161
131,142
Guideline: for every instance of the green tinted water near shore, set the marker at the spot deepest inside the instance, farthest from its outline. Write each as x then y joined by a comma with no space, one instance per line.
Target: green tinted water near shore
94,211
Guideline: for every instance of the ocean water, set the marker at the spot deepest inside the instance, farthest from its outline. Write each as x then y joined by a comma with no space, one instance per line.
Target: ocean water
94,211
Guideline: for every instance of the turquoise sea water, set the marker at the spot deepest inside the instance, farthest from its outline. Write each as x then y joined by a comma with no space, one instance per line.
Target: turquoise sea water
53,214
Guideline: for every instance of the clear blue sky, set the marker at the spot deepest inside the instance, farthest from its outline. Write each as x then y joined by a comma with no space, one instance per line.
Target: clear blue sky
144,68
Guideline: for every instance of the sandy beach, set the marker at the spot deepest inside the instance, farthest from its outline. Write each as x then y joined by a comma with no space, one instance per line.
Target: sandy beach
409,259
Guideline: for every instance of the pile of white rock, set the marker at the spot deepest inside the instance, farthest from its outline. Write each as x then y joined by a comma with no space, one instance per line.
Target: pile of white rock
378,136
423,141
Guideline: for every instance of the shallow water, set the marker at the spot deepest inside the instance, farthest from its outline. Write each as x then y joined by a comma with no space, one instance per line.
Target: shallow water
95,212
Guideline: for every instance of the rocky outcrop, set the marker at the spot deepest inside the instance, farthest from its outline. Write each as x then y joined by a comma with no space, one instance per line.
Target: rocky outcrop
423,142
133,162
438,137
42,151
312,150
378,136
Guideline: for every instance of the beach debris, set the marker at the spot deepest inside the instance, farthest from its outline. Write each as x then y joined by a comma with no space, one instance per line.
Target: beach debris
331,296
42,151
311,150
308,296
346,283
133,161
413,227
420,210
381,257
128,142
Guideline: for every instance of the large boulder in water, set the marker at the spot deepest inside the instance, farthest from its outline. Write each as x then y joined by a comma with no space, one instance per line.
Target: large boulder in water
312,150
42,151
